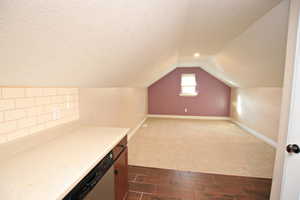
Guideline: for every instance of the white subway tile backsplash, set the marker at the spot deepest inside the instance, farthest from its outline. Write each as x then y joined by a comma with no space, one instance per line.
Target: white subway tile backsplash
62,91
1,116
53,108
49,108
13,92
25,102
43,100
34,92
26,122
7,104
35,111
24,111
44,118
14,115
6,127
49,91
67,91
57,99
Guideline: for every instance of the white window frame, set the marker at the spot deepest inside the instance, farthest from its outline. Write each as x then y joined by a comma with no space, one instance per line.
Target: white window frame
193,84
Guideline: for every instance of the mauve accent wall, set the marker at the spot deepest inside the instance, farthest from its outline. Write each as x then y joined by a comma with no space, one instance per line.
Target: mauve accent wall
213,97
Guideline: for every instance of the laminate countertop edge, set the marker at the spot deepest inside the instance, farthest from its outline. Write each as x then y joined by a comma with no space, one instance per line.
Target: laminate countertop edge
49,164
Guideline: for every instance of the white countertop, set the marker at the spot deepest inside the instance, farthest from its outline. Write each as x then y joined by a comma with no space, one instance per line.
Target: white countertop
49,164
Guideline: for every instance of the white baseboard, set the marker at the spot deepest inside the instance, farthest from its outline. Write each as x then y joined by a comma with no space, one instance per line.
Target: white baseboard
189,117
256,134
134,130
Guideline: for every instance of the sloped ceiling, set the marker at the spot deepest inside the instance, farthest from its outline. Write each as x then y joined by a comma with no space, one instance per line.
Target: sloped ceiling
97,43
211,24
86,43
256,57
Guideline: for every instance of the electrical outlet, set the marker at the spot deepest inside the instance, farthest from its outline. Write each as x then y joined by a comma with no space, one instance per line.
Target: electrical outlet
56,114
185,110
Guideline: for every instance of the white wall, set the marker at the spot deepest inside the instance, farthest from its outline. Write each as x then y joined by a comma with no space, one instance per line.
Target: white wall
101,106
120,107
134,106
256,58
258,109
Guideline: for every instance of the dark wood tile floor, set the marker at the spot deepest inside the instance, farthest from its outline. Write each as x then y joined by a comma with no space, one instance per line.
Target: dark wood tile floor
163,184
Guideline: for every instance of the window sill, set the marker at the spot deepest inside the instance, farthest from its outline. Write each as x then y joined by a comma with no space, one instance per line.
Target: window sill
188,94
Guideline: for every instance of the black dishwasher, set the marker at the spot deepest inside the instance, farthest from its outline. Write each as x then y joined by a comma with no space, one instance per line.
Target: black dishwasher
98,184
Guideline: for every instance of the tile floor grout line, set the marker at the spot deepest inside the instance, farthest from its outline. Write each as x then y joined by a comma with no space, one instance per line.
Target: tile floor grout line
141,196
135,178
141,192
134,191
223,187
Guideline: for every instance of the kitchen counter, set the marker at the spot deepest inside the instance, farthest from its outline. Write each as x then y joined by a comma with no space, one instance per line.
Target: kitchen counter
49,164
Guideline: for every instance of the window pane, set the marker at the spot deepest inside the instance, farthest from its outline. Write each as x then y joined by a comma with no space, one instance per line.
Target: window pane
188,89
188,80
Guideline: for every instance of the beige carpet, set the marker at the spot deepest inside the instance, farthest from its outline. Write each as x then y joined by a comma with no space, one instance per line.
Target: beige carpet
200,145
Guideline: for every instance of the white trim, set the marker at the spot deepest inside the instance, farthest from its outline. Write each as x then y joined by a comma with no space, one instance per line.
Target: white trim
188,75
134,130
190,117
188,94
256,134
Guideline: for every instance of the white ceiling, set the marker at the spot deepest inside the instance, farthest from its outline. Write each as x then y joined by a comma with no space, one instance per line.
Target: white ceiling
97,43
211,24
255,58
90,43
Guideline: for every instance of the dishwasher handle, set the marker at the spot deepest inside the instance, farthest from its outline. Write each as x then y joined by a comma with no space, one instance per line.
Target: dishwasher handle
88,185
91,181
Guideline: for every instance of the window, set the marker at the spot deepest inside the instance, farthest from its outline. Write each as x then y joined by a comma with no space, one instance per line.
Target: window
188,85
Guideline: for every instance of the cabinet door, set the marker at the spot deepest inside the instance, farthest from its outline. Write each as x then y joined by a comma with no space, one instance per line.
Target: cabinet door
121,176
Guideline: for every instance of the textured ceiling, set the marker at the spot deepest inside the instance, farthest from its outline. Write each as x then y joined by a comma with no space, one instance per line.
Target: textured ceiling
211,24
90,43
256,57
97,43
